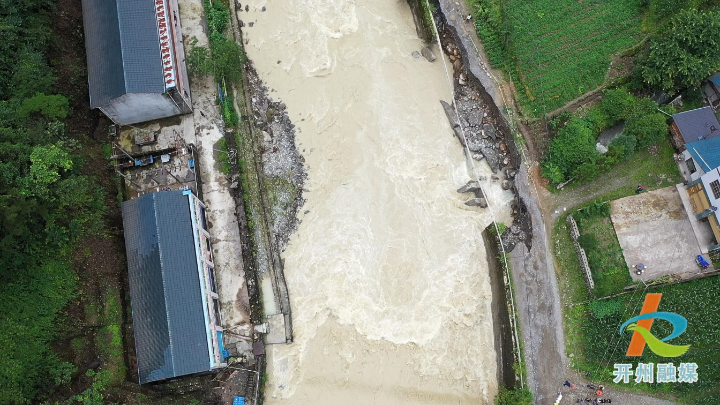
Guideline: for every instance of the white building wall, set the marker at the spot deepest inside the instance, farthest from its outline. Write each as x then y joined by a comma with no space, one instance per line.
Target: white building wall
698,166
707,178
132,108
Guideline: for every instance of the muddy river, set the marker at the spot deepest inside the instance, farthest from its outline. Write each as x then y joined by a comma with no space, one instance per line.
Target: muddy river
387,271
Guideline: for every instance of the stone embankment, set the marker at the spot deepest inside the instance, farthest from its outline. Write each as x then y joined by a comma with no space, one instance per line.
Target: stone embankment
476,119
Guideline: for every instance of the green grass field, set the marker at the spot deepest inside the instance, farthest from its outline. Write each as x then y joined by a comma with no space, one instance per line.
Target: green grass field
605,256
560,49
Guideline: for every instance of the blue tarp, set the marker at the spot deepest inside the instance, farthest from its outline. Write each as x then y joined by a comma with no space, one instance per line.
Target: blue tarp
239,400
222,348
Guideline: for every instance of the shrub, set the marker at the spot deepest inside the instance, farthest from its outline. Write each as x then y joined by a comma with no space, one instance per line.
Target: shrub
588,171
514,397
622,147
647,129
599,120
572,146
616,103
218,16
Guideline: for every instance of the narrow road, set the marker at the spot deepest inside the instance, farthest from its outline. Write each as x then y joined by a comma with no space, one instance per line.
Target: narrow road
533,271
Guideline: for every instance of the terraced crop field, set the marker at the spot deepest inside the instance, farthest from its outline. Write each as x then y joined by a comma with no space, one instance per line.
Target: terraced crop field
562,49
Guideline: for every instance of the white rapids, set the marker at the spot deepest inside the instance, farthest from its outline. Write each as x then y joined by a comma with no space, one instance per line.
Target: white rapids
387,271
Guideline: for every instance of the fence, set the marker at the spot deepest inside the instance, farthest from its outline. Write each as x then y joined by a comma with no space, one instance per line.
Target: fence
582,257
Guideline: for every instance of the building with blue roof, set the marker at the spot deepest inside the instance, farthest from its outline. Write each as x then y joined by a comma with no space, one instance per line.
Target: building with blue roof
700,164
136,60
694,125
175,309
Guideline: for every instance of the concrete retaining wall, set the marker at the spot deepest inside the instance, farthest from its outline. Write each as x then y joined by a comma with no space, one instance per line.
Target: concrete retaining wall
582,257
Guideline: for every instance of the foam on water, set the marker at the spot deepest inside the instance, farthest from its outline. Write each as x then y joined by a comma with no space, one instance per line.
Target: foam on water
388,253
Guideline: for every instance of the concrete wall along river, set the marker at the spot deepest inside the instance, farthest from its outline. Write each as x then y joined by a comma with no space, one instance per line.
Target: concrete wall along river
387,271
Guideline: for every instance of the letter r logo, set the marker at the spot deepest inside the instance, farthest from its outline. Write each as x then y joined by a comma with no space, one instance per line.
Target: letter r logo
637,343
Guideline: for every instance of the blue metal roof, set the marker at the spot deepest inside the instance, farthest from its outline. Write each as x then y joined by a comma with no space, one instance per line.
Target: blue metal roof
167,305
123,49
706,153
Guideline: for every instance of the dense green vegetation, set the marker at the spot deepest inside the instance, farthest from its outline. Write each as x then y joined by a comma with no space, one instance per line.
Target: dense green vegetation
605,256
683,54
224,58
514,397
572,153
46,205
555,50
603,346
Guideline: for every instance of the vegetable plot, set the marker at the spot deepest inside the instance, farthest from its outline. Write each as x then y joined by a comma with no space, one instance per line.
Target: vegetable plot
557,49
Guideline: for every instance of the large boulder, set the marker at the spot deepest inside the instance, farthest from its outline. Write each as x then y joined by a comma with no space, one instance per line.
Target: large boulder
477,202
428,54
470,187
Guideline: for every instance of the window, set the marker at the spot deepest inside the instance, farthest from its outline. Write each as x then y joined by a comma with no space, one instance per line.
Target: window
211,276
216,308
203,221
715,186
691,165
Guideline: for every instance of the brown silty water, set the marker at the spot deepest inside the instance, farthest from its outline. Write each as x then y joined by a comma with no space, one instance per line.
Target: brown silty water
387,271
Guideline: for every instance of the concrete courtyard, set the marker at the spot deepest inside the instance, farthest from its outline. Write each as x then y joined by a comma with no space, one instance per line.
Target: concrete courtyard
653,228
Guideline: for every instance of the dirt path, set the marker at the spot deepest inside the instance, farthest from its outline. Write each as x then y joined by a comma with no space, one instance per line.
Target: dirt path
554,204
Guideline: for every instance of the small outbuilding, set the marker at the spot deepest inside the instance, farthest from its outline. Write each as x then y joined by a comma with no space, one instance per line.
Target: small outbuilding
711,90
175,314
694,125
136,59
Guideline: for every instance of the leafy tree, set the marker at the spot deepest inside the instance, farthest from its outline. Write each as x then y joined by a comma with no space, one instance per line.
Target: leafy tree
572,146
46,204
623,147
50,107
199,61
616,103
648,129
662,9
588,171
684,53
228,59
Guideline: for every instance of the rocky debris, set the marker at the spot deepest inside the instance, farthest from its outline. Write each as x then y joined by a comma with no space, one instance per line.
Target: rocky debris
428,54
477,202
506,184
263,8
490,131
521,229
470,187
280,158
416,55
462,79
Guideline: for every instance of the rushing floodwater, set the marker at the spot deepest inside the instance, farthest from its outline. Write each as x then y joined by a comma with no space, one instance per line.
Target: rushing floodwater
387,272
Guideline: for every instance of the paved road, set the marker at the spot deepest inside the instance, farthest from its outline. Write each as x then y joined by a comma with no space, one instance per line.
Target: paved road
538,303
